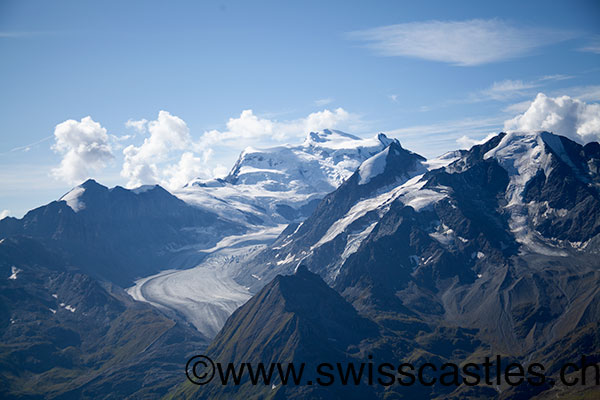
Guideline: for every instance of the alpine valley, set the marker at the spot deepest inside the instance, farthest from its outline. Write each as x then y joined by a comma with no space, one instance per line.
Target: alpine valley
339,249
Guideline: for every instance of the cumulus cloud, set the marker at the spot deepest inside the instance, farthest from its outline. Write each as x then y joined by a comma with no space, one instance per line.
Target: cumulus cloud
463,43
137,125
84,146
170,156
4,214
249,128
563,115
466,142
168,133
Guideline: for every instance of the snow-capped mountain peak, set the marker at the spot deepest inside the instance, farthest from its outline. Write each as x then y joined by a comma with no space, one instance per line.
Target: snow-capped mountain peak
284,183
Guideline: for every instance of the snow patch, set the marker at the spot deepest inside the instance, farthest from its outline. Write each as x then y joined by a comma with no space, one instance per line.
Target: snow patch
373,167
290,258
353,243
73,199
444,235
14,271
143,189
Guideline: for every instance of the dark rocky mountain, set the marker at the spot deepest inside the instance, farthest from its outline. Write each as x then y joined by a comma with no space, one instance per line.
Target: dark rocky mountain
66,336
481,252
494,253
118,234
296,318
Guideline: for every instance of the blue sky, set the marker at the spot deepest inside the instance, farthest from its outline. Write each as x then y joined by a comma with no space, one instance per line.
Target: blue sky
428,74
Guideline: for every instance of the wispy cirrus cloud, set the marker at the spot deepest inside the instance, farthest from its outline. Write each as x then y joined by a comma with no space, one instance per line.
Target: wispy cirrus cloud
431,140
463,43
508,89
593,45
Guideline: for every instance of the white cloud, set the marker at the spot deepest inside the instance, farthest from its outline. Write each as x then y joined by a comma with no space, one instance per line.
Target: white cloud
138,125
248,128
84,146
593,45
220,171
189,167
434,139
563,115
323,102
507,88
393,97
4,214
171,157
463,43
168,133
466,142
583,93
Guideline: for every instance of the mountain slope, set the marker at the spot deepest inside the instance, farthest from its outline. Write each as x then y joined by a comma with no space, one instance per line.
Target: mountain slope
66,336
295,318
119,234
340,222
493,253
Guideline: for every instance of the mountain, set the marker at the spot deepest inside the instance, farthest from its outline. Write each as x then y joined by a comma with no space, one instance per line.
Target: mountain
265,190
67,336
344,218
118,234
283,184
482,252
294,319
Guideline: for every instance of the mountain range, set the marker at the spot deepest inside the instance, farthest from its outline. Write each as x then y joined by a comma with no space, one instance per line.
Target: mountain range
332,250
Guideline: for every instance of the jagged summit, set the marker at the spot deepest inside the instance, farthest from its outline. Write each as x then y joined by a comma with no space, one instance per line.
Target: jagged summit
394,160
